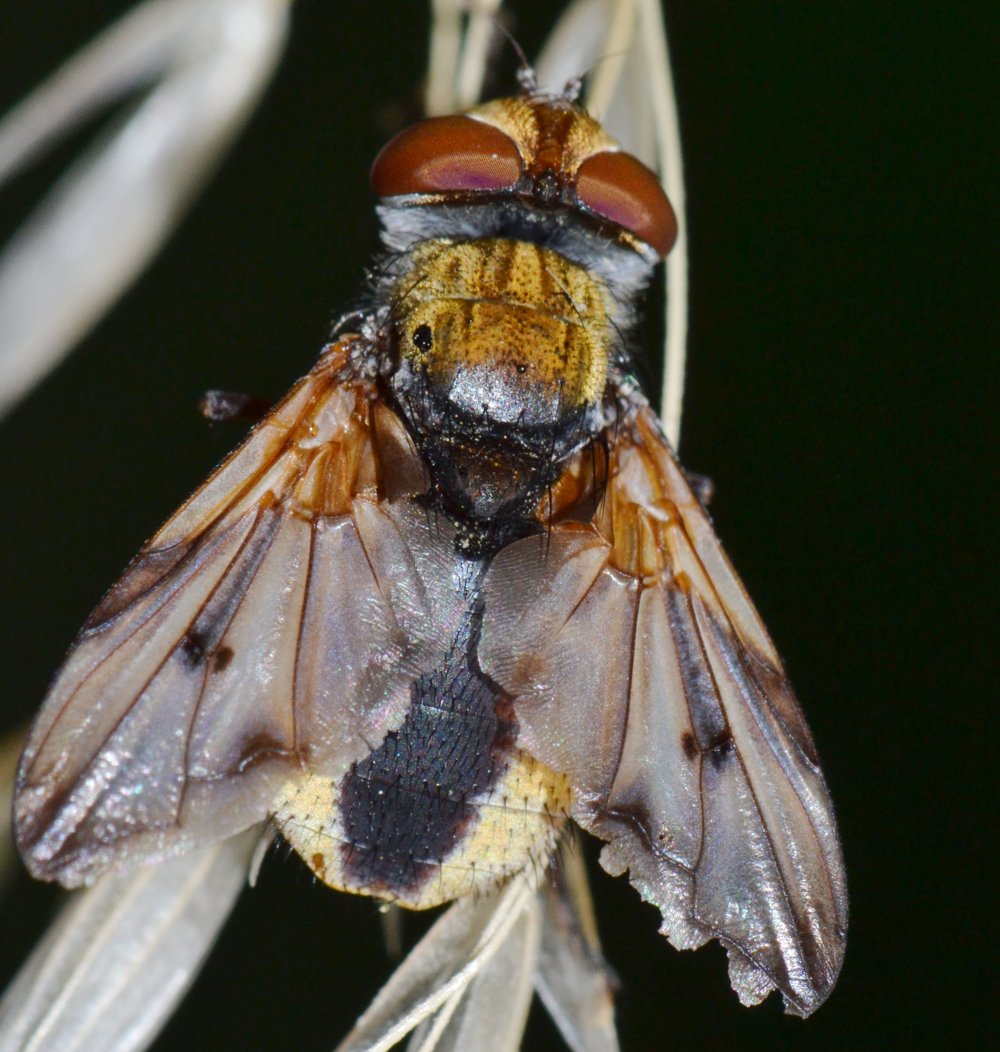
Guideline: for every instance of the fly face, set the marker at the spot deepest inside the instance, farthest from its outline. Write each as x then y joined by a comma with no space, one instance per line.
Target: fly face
455,590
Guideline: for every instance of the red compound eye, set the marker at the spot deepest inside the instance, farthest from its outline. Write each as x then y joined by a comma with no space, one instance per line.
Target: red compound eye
622,189
446,153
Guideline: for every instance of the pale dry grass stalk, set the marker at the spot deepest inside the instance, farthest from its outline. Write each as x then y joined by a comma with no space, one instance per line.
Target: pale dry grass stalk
202,65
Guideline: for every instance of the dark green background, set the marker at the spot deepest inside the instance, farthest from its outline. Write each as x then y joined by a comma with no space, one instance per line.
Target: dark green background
839,370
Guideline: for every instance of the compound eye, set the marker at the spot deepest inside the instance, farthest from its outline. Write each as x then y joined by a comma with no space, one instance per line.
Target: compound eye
446,153
621,188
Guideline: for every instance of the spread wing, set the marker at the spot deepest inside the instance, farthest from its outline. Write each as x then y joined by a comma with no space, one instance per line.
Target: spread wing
640,669
273,624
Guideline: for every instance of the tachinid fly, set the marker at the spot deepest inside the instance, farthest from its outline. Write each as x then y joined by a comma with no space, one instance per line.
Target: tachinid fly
454,591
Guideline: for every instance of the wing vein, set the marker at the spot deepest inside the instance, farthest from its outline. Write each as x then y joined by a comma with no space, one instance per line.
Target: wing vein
306,592
576,606
138,694
689,604
371,566
107,657
628,683
768,840
97,752
793,784
267,541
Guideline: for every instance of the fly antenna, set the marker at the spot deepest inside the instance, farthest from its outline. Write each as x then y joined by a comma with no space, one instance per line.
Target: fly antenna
527,79
572,88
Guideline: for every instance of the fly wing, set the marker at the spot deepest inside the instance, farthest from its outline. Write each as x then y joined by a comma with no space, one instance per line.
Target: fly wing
272,625
640,669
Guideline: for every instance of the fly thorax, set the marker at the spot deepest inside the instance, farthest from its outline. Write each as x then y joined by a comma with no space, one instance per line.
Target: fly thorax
503,351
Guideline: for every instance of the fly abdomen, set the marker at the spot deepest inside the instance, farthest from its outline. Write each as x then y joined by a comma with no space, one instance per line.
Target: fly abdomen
447,804
407,805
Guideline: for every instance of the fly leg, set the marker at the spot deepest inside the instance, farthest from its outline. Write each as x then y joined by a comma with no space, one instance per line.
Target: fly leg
222,406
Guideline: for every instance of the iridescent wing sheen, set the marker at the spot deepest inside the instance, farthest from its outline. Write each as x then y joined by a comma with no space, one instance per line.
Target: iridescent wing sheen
272,625
640,669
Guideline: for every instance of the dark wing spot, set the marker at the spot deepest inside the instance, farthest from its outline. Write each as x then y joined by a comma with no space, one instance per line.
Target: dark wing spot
689,745
260,747
720,749
221,659
193,648
635,814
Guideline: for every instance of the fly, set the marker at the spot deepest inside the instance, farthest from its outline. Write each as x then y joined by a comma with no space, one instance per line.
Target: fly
454,592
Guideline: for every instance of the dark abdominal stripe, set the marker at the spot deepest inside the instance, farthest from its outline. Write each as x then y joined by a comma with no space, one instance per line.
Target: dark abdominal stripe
407,805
